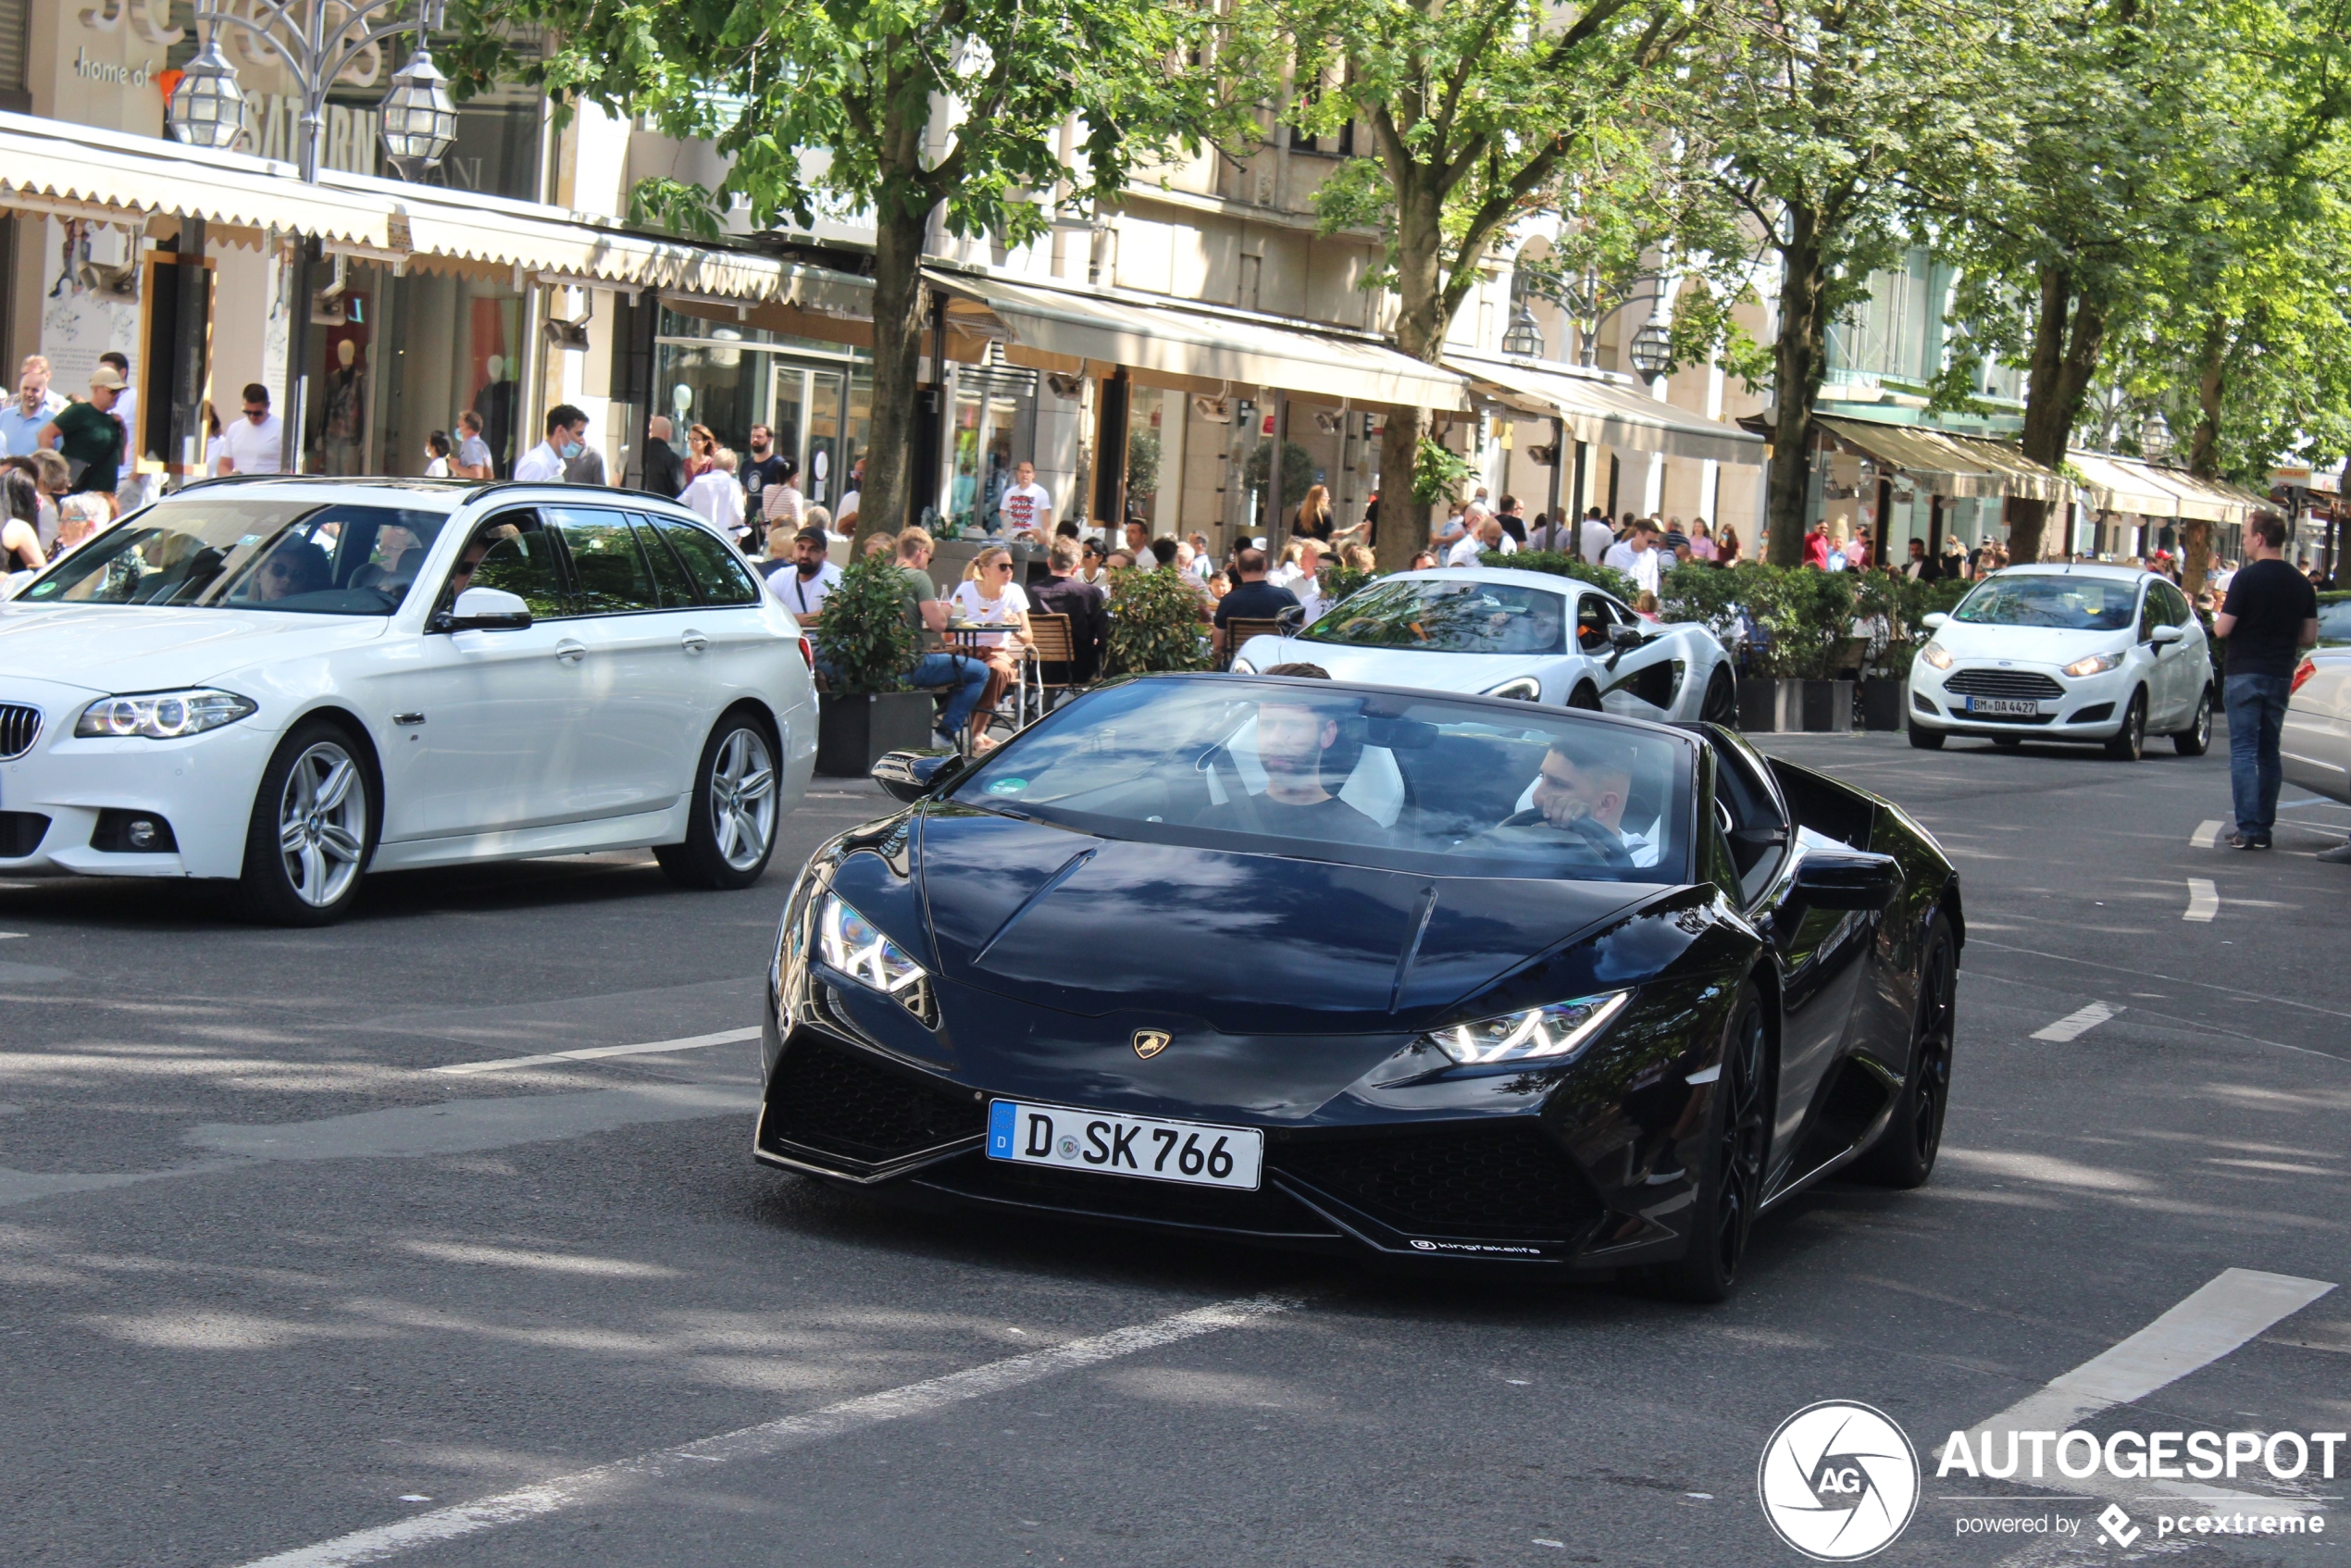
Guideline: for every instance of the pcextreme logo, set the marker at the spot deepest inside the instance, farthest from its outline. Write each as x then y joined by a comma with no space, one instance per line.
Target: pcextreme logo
1838,1481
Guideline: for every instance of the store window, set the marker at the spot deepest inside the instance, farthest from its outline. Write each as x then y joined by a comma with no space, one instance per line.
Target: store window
816,398
393,359
995,428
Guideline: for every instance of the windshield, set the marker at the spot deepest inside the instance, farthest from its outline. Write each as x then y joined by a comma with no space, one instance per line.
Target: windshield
1444,616
1328,772
2069,604
224,552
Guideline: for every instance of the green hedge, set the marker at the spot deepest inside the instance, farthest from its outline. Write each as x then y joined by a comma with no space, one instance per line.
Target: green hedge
1154,622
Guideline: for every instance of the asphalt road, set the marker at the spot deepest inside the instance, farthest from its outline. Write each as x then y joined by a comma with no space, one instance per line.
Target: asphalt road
267,1279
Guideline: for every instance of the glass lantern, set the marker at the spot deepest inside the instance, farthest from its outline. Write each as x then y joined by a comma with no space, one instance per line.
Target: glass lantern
419,117
208,107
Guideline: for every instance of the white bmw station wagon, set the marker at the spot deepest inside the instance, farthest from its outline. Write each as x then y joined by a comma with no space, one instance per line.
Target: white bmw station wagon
288,682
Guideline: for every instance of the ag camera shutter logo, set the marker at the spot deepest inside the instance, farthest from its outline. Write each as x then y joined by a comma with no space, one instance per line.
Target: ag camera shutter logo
1840,1481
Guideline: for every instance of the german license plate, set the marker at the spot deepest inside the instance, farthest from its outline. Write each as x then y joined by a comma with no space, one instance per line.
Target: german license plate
1195,1152
2002,705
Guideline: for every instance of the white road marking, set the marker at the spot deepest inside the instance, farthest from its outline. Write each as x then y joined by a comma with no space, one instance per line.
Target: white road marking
2230,1308
590,1053
2074,1025
2204,900
769,1438
2207,835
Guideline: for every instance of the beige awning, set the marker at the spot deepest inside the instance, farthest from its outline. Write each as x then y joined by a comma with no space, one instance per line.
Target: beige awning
1609,414
2121,484
1185,347
66,171
1945,464
2211,499
561,249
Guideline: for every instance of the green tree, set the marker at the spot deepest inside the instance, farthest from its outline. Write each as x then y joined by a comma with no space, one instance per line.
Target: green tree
936,111
1481,113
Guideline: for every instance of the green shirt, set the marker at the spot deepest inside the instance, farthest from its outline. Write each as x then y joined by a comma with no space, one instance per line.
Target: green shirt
915,590
90,437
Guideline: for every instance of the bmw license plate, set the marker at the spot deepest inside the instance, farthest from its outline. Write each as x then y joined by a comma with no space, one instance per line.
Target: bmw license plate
2003,706
1195,1153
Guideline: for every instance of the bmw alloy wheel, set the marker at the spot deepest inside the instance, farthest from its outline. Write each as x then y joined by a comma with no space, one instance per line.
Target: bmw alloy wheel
742,798
322,824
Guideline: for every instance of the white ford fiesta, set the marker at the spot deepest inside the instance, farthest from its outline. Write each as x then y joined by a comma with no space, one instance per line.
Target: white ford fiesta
2052,652
289,683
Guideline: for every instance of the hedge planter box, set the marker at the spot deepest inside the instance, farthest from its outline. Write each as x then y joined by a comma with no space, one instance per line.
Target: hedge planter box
1884,699
853,733
1770,707
1828,707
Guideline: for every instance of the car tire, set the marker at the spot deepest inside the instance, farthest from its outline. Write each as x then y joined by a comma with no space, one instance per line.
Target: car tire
2130,742
1721,703
313,828
1731,1187
1926,740
731,822
2197,739
1904,1153
1585,697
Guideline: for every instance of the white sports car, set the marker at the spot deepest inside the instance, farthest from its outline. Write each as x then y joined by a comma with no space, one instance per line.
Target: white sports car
1512,634
287,682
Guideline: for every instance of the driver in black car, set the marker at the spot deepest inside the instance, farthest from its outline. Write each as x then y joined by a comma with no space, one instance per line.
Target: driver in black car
1582,791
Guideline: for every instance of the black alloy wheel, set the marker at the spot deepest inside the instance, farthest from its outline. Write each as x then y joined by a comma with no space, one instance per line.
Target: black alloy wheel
1722,705
1731,1188
1585,697
1926,740
1904,1153
2197,739
2130,742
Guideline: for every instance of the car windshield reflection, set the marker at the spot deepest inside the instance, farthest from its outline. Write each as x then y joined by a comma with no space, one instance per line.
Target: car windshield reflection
240,553
1449,615
2067,603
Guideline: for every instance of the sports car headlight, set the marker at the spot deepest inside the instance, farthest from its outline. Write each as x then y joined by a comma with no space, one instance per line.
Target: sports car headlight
1937,655
1539,1034
856,947
2097,663
162,716
1526,689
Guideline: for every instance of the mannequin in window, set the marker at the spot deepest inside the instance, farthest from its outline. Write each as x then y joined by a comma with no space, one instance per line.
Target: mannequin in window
345,429
495,403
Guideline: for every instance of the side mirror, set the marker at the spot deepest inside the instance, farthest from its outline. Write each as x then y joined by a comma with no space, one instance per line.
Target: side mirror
1934,620
907,776
1290,618
1621,637
485,609
1848,880
2164,636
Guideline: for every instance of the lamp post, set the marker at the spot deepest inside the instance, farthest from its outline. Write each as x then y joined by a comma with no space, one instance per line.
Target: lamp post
1525,337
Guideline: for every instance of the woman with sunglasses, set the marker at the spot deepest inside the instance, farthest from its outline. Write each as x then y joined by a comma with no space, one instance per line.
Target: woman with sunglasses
988,596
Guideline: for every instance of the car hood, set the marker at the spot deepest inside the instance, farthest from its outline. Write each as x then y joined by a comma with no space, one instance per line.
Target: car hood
104,648
1470,673
2028,644
1245,942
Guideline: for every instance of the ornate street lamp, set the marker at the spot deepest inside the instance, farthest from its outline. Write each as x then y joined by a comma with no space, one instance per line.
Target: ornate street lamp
1653,350
2154,437
1523,339
206,107
317,43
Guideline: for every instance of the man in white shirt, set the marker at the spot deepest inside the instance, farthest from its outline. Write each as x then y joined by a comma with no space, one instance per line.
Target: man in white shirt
1636,557
256,443
805,585
1596,537
1027,505
566,439
1472,544
1585,795
716,496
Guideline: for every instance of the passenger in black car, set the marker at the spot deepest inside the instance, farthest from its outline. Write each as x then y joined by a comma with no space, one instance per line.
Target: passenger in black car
1584,792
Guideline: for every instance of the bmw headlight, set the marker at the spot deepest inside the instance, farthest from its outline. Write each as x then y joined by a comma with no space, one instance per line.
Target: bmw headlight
2097,663
1526,689
857,948
1539,1034
1937,655
162,716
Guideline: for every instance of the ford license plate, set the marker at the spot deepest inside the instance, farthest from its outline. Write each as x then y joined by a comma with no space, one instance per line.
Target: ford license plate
2003,706
1195,1153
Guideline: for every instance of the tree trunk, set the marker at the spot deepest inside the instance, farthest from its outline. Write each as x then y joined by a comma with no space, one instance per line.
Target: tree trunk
893,499
1421,321
1800,363
2204,452
2067,335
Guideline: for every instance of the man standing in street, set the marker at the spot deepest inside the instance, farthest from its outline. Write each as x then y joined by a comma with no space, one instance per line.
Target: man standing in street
1598,538
256,443
1635,556
88,436
661,473
1513,521
1027,505
2271,615
566,439
472,461
763,469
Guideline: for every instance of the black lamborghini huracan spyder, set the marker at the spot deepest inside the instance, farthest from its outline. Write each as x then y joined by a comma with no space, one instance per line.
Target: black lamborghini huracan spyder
1308,963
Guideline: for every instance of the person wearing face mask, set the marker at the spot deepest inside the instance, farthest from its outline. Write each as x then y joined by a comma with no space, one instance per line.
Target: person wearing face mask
566,439
804,584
